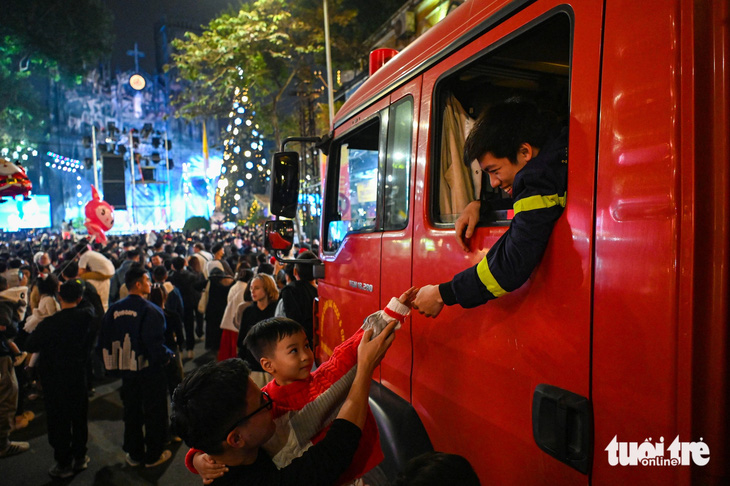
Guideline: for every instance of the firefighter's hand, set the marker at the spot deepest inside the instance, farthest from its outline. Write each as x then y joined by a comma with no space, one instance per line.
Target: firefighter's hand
467,222
428,301
408,296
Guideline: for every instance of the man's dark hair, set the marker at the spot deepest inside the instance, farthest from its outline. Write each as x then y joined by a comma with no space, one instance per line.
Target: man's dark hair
208,401
159,273
71,270
132,254
135,273
436,469
3,283
305,272
266,268
71,291
178,263
507,125
216,248
263,337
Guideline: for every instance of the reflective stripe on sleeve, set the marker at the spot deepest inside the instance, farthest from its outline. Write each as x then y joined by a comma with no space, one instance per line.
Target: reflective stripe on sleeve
538,202
485,275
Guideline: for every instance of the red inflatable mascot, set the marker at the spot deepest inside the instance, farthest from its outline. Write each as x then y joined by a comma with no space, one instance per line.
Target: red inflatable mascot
99,216
13,180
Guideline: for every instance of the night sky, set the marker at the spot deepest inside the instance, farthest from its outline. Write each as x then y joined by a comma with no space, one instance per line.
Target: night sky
134,21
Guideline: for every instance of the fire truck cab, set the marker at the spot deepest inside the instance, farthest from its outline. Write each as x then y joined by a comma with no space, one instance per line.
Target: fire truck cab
621,333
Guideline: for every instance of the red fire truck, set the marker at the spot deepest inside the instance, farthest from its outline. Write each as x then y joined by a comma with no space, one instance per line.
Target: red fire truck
610,365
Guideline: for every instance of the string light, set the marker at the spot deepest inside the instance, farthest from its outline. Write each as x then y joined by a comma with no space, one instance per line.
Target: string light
65,164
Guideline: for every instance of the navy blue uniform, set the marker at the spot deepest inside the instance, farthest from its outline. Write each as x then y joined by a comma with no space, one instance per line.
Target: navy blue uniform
539,190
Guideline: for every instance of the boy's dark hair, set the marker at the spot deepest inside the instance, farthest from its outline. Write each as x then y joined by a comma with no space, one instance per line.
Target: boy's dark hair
159,273
178,263
262,338
208,401
216,248
71,291
436,469
135,273
305,272
505,126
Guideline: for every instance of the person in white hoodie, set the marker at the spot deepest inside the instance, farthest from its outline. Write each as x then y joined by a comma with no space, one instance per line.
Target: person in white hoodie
98,270
229,329
48,304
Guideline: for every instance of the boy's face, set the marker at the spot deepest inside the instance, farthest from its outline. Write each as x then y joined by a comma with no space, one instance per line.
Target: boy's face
292,360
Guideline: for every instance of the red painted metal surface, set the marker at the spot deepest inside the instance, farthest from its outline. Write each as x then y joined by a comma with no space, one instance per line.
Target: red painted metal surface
629,306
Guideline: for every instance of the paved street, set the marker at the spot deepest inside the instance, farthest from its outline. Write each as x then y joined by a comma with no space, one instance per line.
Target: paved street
107,465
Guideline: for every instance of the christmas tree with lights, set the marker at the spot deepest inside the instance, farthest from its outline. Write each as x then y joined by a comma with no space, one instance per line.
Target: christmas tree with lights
245,171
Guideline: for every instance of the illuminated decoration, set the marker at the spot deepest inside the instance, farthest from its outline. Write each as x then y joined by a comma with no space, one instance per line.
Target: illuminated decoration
13,180
137,82
241,175
99,217
66,164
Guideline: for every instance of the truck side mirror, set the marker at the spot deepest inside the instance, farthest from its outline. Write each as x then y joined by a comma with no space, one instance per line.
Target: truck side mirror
285,184
279,235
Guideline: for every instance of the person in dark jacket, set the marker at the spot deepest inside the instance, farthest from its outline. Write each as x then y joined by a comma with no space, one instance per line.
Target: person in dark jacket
64,341
189,285
220,285
296,300
132,342
524,153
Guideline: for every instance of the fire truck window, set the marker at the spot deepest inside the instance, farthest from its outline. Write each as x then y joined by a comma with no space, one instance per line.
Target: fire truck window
534,64
357,187
398,165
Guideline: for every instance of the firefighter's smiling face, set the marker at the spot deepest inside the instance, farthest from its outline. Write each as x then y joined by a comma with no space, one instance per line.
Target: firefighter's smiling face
502,171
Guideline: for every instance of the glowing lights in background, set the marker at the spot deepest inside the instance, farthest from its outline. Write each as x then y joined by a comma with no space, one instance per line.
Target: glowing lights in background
66,164
21,152
243,173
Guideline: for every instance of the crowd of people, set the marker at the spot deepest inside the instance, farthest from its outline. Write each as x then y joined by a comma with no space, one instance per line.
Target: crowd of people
142,301
61,298
136,307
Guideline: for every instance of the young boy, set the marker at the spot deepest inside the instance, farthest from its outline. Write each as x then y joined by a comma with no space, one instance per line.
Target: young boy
64,343
282,347
219,409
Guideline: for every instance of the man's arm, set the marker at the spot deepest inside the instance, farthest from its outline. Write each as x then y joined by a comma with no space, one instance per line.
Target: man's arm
324,462
509,263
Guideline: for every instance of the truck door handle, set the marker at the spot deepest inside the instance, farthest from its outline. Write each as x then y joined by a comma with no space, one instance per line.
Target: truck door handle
562,425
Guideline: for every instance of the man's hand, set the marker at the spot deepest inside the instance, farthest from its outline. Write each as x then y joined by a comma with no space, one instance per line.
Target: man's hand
408,296
428,301
208,468
467,222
